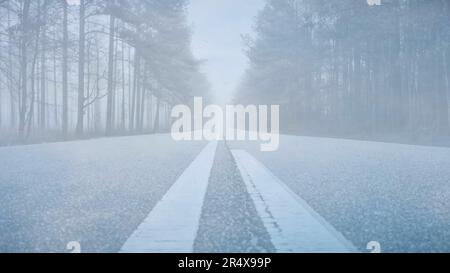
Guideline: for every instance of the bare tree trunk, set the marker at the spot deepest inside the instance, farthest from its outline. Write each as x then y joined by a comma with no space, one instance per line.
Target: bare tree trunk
130,86
141,115
135,90
88,87
10,74
42,116
115,81
55,87
123,89
65,98
24,66
140,122
138,100
156,122
97,118
30,117
109,106
81,52
150,113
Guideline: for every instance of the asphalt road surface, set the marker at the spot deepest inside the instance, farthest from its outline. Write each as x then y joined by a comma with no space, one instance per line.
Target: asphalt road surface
150,193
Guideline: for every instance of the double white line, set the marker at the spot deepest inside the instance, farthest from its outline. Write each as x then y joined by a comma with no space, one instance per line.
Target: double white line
171,227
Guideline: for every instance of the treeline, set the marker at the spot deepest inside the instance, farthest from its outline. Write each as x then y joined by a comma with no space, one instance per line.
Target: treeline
344,68
76,68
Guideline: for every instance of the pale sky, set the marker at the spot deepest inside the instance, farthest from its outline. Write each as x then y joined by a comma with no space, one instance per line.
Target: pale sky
217,28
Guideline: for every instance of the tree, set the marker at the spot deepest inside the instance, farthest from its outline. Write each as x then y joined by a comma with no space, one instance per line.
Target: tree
109,115
65,89
116,65
24,65
81,64
344,68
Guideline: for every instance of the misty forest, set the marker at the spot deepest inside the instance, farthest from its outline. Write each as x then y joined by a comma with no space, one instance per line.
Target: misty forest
86,68
103,150
347,69
74,69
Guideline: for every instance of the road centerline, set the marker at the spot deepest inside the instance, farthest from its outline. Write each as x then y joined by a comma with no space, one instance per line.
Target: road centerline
172,225
292,224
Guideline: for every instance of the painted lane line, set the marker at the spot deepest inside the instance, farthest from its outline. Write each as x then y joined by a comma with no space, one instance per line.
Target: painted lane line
171,227
292,224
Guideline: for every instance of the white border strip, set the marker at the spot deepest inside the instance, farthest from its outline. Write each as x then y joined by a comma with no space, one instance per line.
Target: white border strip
292,224
171,227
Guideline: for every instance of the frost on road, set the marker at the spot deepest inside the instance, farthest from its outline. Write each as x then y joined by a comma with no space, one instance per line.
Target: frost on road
95,192
172,225
394,194
293,226
230,222
312,195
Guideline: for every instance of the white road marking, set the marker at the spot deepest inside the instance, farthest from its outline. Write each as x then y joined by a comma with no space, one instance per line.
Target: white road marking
171,227
292,224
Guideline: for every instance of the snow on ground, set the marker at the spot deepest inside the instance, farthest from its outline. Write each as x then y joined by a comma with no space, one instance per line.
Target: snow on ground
96,192
395,194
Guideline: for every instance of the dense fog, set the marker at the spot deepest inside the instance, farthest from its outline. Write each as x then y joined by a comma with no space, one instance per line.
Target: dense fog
75,69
